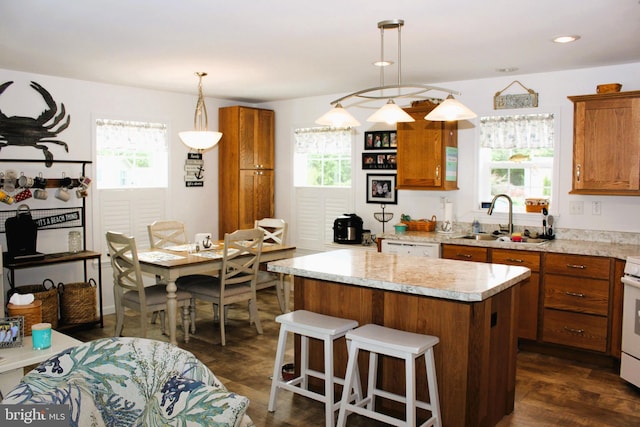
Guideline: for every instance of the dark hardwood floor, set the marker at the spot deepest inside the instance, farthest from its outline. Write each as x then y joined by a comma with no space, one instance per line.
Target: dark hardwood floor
549,391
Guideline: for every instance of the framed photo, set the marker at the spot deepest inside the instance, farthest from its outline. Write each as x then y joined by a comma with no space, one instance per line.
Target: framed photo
11,331
379,160
382,189
380,140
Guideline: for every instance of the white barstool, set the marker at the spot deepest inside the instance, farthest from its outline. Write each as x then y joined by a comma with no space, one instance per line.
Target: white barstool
311,325
399,344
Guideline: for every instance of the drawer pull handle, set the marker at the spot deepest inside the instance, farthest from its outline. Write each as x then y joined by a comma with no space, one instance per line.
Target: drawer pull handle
574,331
574,294
581,267
464,255
515,260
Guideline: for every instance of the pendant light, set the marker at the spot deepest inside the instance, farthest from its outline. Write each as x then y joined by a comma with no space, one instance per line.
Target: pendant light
450,109
200,138
390,112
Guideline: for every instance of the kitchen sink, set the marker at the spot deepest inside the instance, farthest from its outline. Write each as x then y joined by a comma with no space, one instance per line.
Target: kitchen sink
480,237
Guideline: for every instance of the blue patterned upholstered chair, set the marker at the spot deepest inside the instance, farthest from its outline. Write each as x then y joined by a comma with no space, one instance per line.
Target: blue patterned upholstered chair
132,382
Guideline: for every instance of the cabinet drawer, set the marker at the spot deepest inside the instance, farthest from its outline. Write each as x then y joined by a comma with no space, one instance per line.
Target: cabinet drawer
578,265
581,295
531,260
575,330
465,253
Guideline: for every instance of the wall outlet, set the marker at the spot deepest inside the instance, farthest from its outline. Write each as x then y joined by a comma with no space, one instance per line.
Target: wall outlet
596,208
576,208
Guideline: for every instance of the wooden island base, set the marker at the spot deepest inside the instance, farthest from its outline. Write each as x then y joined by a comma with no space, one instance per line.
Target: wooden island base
475,359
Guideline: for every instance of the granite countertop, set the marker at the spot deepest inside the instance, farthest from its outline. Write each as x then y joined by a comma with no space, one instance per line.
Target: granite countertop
440,278
564,246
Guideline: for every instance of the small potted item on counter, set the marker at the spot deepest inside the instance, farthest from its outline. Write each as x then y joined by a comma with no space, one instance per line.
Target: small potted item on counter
400,228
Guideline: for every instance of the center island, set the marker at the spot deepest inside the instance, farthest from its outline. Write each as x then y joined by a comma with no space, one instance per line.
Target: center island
471,307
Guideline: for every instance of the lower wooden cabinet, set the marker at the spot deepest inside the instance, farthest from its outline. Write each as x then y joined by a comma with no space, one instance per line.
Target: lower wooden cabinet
576,301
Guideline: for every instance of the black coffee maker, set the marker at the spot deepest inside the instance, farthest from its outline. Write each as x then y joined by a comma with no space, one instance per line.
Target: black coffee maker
347,229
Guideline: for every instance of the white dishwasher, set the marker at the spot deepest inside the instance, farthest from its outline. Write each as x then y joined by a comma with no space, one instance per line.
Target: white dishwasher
407,247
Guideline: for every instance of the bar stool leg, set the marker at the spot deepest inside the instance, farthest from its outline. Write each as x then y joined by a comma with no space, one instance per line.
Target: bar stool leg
304,361
432,382
352,371
277,368
329,413
410,395
372,381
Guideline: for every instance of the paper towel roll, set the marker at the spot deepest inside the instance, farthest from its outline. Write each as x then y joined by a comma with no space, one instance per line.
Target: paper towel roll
448,212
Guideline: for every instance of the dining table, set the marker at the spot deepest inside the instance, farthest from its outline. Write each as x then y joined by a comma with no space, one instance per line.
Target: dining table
172,262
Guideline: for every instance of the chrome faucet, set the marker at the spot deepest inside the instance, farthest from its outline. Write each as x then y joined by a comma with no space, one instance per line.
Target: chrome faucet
490,211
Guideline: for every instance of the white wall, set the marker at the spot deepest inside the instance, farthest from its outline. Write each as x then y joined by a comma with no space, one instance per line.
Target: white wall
618,213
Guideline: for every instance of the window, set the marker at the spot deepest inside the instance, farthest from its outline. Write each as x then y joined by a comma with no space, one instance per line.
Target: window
516,157
322,157
131,154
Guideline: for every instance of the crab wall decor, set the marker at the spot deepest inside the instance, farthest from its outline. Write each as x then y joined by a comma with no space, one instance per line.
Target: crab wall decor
35,132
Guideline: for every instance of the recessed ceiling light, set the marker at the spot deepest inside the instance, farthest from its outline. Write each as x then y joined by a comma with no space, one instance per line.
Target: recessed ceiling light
565,39
507,69
383,63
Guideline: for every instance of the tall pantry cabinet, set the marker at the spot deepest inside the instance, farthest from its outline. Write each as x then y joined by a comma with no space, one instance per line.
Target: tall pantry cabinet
245,167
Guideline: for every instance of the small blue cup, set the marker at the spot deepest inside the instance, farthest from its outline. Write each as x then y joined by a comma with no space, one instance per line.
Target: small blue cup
41,336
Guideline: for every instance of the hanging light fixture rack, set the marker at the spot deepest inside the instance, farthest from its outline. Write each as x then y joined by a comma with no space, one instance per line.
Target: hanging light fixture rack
449,109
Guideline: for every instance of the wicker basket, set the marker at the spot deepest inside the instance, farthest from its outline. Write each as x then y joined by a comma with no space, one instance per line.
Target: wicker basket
536,205
78,302
421,225
32,314
48,294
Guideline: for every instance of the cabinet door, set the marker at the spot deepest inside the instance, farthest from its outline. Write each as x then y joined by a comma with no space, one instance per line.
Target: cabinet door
256,138
606,142
529,289
256,197
427,153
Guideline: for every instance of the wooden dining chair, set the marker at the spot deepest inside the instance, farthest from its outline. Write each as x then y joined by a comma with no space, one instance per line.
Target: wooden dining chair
129,290
163,234
275,231
237,279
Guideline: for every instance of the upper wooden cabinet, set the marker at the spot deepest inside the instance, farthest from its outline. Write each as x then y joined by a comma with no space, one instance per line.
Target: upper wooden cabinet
427,152
606,144
245,167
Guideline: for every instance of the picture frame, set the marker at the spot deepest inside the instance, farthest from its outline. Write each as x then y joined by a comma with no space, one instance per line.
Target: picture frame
379,160
381,140
381,189
11,331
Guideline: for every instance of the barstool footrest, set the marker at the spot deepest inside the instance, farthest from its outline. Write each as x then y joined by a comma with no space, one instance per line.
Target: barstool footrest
402,399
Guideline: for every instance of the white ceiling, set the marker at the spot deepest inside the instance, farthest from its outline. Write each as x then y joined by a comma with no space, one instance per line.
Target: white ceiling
261,50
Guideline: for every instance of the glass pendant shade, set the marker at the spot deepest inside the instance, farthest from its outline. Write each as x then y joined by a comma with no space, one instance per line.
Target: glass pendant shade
200,138
390,113
338,117
450,110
